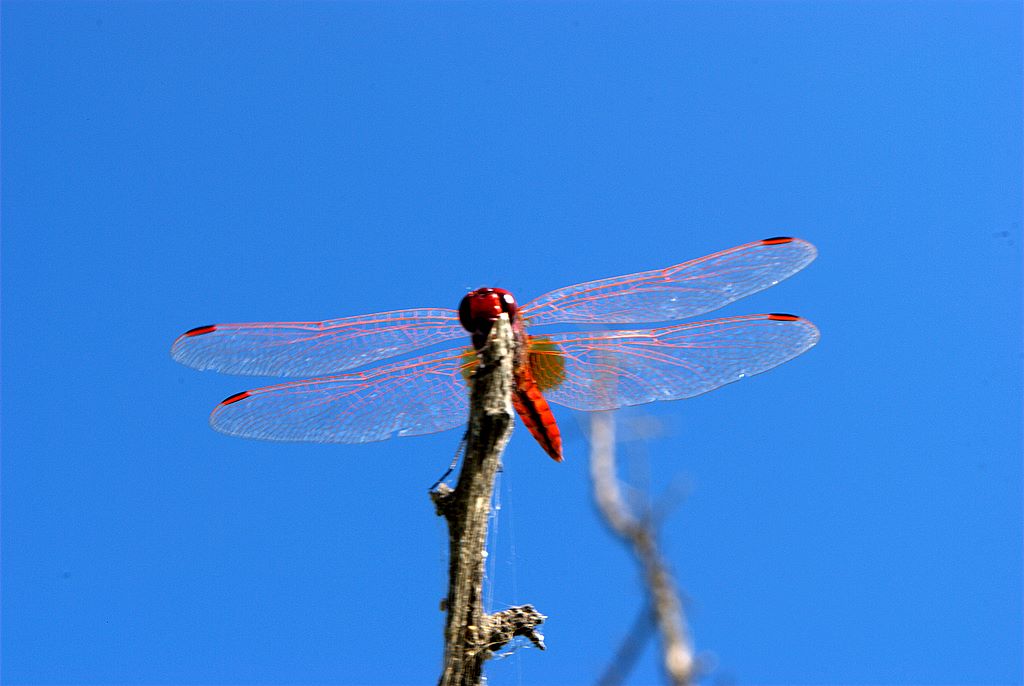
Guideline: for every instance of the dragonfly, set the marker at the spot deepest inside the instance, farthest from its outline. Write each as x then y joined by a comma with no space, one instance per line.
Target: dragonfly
361,394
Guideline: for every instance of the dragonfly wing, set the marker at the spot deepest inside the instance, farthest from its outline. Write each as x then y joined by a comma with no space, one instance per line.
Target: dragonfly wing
419,396
603,370
313,348
685,290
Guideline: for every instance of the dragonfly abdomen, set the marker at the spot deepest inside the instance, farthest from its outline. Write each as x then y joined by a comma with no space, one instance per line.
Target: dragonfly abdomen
535,412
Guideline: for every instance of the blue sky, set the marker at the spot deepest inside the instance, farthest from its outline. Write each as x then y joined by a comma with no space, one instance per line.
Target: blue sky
853,516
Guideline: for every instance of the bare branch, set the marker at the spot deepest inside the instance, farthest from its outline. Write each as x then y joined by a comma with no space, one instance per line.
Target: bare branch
471,636
515,621
629,650
640,535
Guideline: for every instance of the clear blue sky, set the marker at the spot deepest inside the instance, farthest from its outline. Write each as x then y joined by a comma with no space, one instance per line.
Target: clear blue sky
853,516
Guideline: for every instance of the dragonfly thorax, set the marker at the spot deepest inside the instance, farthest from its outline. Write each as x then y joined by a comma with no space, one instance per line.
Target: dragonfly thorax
479,310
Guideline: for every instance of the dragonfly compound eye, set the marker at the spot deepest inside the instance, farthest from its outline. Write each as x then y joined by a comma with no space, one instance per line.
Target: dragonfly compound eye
480,308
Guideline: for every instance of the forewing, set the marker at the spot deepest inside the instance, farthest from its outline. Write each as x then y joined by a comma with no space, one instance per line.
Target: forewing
408,398
685,290
313,348
610,369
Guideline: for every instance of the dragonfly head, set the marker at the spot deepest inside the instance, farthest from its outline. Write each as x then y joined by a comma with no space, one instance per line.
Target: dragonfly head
479,309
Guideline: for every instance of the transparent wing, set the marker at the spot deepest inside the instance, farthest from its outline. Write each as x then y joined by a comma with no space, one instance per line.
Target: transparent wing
418,396
609,369
685,290
313,348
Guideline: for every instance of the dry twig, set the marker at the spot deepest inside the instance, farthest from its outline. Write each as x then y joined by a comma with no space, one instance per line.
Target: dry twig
471,636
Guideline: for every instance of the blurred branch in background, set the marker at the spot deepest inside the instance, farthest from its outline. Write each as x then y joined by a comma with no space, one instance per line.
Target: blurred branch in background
639,532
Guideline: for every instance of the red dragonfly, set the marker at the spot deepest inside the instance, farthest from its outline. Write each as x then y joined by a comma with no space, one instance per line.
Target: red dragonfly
590,370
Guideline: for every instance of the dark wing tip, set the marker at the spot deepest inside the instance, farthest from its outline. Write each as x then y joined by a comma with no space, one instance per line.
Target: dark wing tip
200,330
777,240
781,317
235,398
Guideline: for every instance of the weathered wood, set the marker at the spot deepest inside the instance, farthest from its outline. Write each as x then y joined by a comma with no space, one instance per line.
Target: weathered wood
471,635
